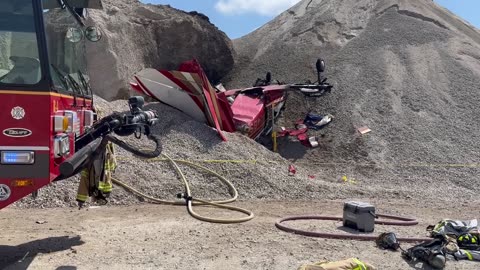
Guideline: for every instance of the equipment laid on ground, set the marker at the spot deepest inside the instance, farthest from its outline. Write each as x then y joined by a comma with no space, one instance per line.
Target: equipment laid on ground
349,264
454,228
397,221
463,254
458,239
252,111
449,236
432,252
468,241
359,216
388,241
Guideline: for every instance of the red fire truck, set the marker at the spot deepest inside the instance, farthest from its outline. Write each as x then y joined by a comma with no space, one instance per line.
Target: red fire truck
48,125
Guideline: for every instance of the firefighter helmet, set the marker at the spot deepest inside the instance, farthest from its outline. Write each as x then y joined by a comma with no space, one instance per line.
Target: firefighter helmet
467,239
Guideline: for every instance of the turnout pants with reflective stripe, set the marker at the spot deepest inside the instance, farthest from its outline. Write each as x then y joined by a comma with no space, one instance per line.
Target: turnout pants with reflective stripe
470,255
96,174
350,264
105,185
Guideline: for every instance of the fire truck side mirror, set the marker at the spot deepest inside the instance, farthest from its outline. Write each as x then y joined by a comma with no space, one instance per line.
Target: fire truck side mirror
93,33
74,34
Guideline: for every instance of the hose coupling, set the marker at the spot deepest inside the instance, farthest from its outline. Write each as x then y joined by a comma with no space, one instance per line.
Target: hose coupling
184,196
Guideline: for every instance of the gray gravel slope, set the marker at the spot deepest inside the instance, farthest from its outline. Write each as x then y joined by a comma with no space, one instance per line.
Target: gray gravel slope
409,70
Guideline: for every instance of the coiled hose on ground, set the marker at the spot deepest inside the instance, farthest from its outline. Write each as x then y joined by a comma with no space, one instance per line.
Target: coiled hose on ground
189,200
401,221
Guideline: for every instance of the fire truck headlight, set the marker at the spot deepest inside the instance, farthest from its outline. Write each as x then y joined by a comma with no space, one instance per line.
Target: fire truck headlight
17,157
61,145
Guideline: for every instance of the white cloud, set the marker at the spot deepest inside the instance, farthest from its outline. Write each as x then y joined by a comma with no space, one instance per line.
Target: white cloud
262,7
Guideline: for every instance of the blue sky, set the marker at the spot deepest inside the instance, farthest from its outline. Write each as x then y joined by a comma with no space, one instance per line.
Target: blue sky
240,17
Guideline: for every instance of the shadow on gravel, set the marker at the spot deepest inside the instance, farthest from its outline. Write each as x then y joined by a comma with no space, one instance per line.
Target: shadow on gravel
291,150
21,256
420,266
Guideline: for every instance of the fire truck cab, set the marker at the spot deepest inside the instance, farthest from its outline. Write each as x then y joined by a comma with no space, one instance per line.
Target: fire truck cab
45,97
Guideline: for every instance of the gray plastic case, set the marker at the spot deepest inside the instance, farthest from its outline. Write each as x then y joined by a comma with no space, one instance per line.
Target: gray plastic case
359,216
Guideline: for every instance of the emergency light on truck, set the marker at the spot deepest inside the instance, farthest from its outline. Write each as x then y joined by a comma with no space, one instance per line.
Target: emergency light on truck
18,157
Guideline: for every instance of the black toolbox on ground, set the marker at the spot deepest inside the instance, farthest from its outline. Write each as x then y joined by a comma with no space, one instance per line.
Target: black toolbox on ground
359,216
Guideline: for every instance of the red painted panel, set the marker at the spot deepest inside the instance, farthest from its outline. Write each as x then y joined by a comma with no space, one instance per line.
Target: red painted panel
36,119
36,116
249,111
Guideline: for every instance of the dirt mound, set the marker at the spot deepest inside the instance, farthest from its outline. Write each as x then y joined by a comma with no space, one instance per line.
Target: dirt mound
407,69
137,35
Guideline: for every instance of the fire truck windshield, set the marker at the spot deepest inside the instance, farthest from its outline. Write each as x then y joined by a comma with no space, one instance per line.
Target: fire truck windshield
19,53
66,50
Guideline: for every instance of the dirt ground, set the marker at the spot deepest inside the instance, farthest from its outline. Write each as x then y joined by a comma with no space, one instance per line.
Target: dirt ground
166,237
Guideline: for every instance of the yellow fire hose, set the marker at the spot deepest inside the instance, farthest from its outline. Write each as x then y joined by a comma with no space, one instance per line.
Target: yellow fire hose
190,201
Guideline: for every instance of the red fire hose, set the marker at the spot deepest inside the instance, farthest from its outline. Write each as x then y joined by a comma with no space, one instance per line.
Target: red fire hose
401,221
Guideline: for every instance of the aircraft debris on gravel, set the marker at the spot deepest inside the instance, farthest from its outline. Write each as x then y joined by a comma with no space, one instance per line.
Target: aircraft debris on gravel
252,111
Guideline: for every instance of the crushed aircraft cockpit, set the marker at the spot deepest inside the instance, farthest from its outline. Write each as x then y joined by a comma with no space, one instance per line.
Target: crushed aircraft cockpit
252,111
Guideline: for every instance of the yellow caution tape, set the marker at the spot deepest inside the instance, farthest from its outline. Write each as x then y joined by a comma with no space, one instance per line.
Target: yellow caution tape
250,161
353,164
439,165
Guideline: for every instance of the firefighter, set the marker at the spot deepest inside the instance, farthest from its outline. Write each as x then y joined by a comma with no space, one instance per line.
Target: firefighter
99,171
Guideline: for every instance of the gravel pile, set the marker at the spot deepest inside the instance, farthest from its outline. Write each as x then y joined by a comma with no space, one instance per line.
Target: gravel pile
138,35
409,70
257,173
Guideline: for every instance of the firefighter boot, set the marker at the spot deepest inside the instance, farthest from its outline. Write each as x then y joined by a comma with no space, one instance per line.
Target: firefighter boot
105,186
83,187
